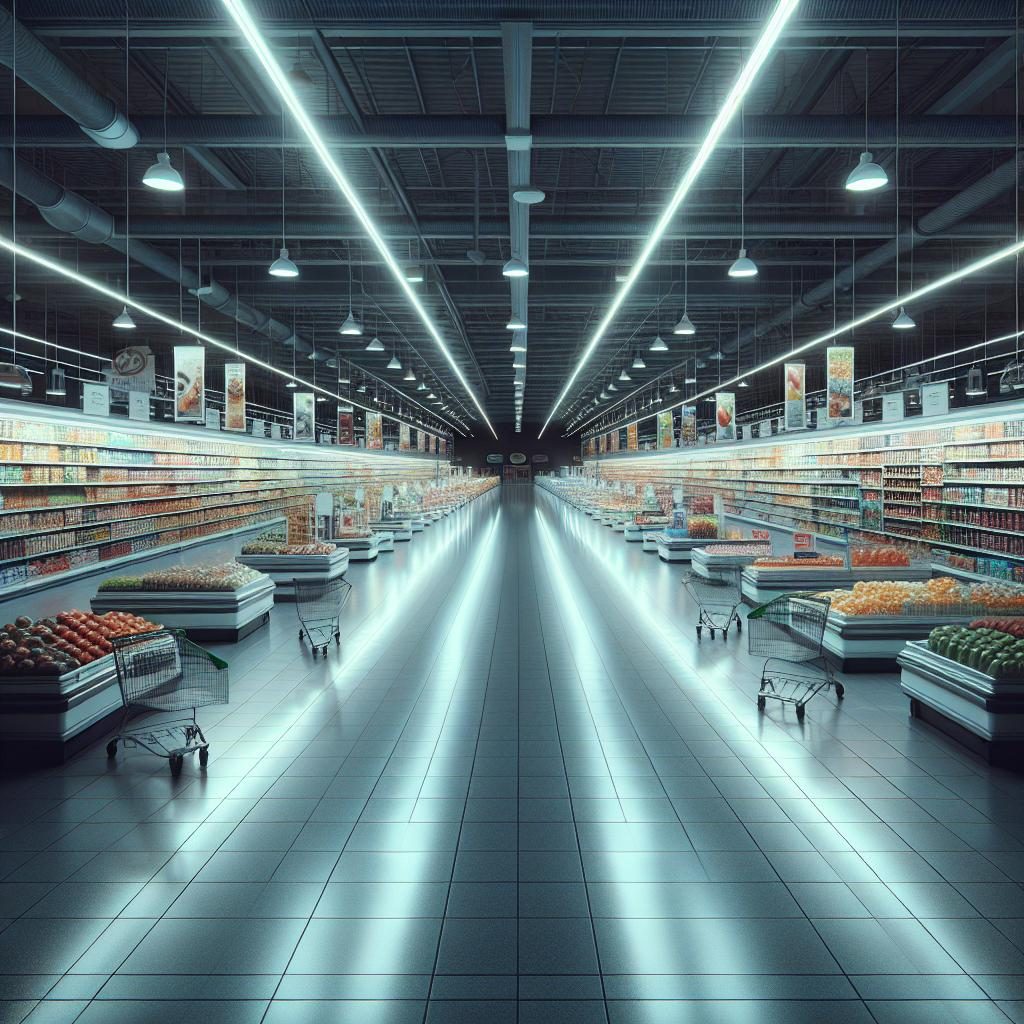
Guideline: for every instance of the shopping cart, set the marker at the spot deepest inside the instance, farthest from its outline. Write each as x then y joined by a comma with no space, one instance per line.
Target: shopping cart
319,606
787,632
717,600
165,671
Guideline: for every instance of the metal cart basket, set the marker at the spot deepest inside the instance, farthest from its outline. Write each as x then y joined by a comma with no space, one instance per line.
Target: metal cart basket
718,601
319,605
165,671
787,632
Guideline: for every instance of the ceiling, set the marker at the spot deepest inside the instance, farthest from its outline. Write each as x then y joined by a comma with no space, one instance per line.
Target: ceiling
416,101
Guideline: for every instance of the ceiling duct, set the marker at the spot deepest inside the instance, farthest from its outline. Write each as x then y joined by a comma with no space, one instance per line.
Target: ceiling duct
48,75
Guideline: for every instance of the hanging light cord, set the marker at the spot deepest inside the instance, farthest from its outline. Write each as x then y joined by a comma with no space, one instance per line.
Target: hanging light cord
127,204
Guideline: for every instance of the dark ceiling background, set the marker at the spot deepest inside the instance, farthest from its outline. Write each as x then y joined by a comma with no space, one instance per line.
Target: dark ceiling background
417,98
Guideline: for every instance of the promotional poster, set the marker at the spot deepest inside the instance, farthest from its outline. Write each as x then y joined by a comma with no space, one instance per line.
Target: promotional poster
189,384
303,409
666,439
234,396
688,433
632,439
404,443
839,383
346,428
374,431
725,416
794,379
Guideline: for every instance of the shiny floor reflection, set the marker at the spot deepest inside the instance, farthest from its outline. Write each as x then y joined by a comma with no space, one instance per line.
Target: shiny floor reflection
524,793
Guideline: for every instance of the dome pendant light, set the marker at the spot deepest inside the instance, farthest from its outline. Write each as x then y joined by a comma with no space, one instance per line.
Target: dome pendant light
515,324
375,344
351,327
409,375
867,176
394,363
743,265
685,326
515,267
624,377
161,175
975,383
123,321
904,321
638,362
658,345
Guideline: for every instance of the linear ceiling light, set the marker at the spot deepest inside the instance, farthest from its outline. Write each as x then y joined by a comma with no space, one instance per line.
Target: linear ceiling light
758,56
926,289
23,252
281,82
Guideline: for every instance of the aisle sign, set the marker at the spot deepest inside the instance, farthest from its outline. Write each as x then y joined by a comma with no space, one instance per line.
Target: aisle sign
303,412
794,378
892,407
259,428
632,441
665,435
190,384
839,384
132,369
213,419
803,545
138,405
234,396
934,399
688,433
346,428
96,399
725,416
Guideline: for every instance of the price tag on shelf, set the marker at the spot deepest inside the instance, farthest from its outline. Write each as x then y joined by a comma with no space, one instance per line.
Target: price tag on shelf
760,535
803,545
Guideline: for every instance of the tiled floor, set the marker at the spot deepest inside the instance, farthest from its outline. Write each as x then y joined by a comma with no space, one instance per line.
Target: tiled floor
524,793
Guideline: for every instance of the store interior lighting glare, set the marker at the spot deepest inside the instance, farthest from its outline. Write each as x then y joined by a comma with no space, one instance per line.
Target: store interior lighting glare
758,55
278,77
70,274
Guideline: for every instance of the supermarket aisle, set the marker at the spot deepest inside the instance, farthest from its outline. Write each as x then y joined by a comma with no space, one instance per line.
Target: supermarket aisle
524,794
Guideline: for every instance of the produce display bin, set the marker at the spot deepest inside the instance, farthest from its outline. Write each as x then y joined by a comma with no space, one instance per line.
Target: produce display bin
284,570
203,614
385,540
872,643
634,532
763,583
650,542
984,714
360,549
712,565
417,524
44,720
400,529
678,549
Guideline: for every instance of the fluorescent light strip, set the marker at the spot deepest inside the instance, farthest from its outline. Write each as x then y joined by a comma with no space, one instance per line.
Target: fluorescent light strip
249,29
73,275
52,344
940,282
758,56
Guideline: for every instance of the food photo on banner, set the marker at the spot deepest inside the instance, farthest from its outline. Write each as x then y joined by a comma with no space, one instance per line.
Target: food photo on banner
688,432
234,396
725,416
665,435
374,431
189,384
839,383
794,378
346,427
303,409
632,437
404,443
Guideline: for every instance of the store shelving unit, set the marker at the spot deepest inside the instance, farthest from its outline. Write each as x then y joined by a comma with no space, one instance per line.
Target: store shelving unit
954,483
81,494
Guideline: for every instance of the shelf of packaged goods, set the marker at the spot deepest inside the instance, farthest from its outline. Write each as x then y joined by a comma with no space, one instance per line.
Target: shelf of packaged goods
139,536
762,523
985,714
131,519
901,501
935,542
154,483
976,526
91,568
941,569
812,519
983,483
983,461
35,509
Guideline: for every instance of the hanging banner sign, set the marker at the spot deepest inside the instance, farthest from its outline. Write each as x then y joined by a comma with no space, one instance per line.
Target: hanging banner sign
934,399
95,399
839,383
303,410
665,435
794,376
404,442
189,384
275,431
213,419
602,444
421,441
444,447
688,433
614,436
590,447
132,369
632,440
725,416
374,431
138,405
234,396
892,407
346,428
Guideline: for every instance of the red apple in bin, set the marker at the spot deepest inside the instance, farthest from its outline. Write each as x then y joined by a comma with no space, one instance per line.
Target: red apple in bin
724,418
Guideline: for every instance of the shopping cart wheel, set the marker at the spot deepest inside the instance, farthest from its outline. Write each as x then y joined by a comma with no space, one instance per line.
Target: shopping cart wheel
175,761
800,712
112,748
337,639
204,756
712,633
698,632
840,691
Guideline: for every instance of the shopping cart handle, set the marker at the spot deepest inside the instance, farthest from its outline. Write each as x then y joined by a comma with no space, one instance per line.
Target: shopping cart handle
758,612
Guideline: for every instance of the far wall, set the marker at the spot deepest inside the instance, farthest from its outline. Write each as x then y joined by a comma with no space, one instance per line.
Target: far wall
473,451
